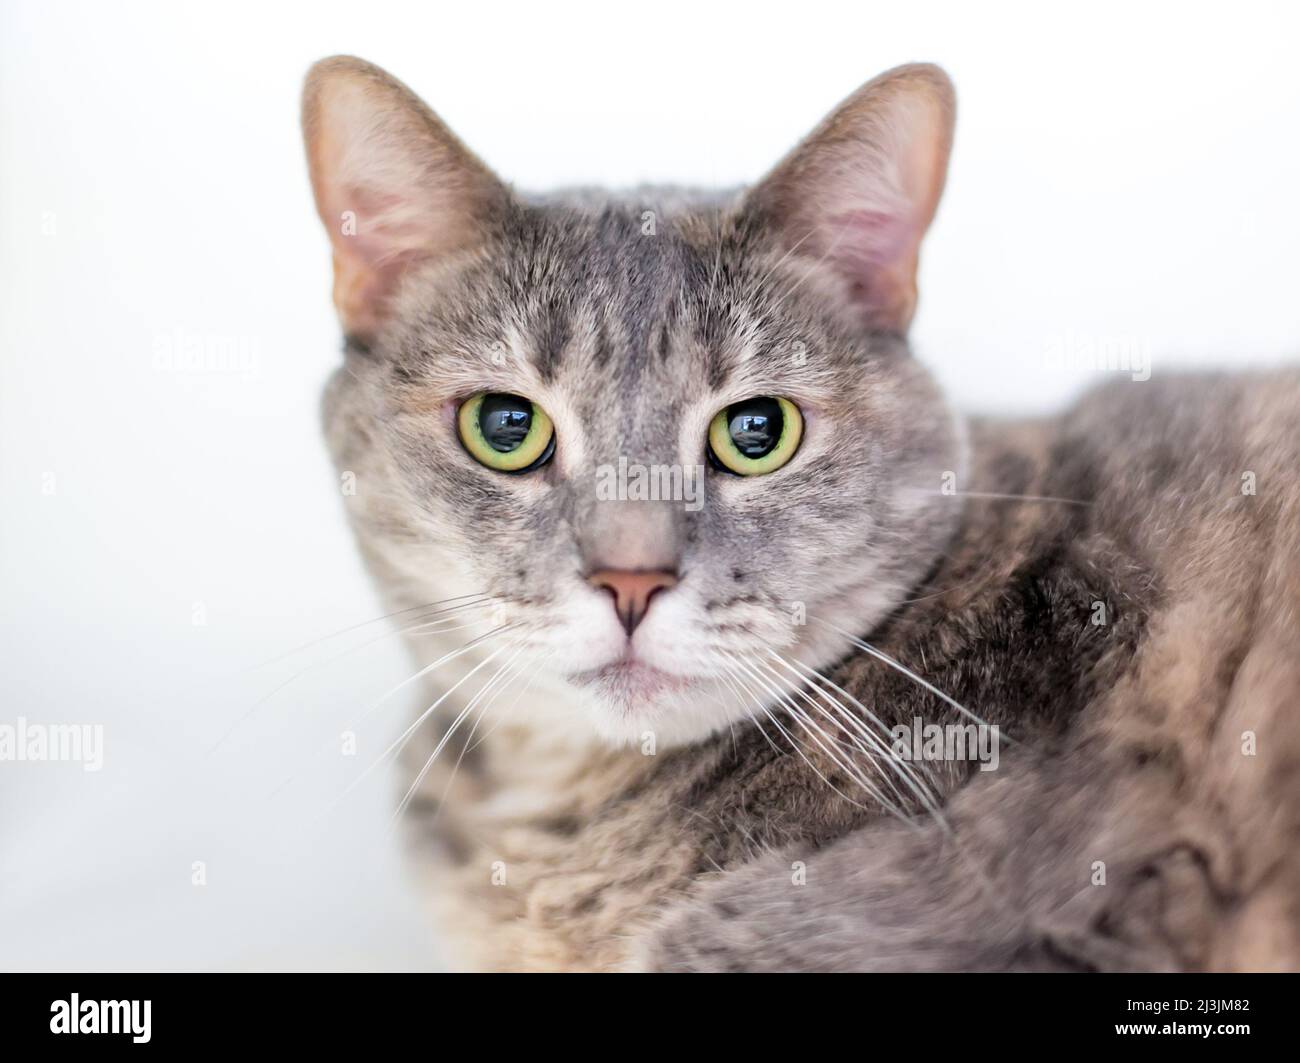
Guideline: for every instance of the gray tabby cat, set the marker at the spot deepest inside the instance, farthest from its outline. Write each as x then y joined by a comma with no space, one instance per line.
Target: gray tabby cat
686,543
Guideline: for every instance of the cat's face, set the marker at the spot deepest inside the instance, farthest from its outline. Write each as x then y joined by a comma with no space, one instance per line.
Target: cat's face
532,396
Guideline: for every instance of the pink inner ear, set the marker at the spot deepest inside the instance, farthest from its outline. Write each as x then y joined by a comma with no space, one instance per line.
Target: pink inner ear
860,191
392,185
861,240
388,227
392,232
875,252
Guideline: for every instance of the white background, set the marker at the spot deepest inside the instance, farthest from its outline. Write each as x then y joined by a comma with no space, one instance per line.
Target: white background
1123,173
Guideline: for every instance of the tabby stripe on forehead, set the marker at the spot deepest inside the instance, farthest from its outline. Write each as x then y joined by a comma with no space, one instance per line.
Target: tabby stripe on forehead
603,349
665,343
718,369
553,336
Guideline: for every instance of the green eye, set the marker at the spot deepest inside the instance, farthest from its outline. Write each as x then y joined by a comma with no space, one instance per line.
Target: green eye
506,432
756,436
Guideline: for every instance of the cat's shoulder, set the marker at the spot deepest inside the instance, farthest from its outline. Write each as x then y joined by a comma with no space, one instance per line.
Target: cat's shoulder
1191,404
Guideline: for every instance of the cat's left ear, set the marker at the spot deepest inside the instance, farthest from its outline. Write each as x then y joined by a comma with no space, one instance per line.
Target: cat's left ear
393,185
859,193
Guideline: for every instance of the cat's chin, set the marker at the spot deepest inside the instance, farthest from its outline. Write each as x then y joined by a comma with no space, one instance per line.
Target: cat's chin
633,703
631,680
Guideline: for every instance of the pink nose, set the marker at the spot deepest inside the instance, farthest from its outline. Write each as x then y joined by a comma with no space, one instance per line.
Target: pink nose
632,591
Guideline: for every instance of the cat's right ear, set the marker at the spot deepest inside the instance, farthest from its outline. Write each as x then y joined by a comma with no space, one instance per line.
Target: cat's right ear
393,186
860,191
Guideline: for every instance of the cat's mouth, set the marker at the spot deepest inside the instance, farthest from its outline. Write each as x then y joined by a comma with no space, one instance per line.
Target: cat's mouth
629,680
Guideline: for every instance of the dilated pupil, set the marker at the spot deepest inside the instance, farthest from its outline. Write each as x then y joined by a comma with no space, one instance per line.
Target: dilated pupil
755,426
505,421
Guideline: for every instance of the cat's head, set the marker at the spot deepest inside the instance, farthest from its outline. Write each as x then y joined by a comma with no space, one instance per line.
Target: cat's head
679,439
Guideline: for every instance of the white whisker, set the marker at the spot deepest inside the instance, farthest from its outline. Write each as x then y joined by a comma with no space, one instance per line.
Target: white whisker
904,670
807,725
405,736
364,623
728,676
225,737
469,708
997,497
872,754
914,781
445,658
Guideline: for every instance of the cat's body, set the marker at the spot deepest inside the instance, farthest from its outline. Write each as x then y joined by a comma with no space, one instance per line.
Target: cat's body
1116,589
